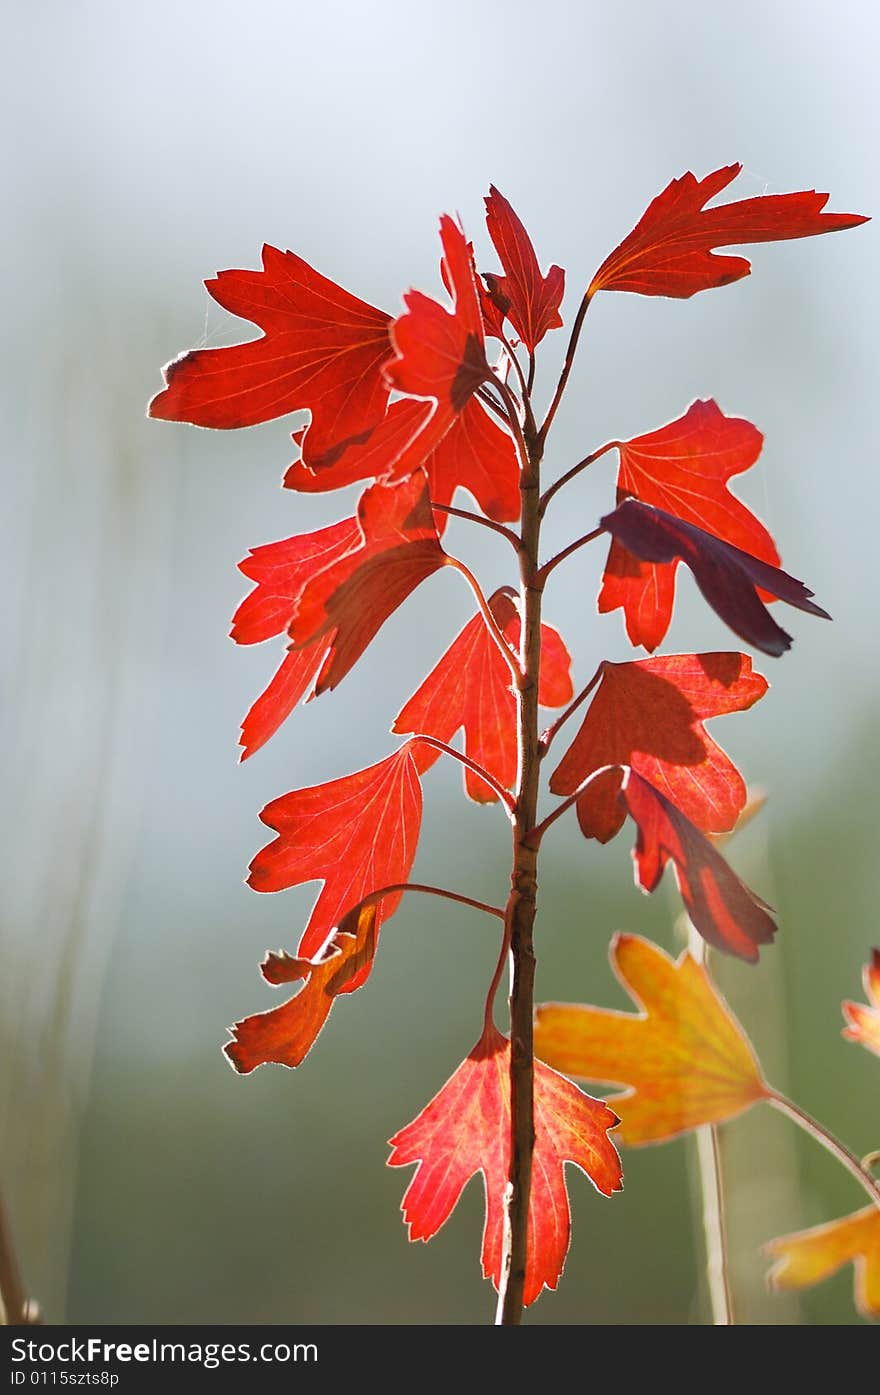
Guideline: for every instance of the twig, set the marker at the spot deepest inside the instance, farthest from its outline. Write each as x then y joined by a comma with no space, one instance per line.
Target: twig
504,795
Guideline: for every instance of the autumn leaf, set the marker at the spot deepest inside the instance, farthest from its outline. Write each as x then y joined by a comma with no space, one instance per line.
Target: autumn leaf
470,687
356,835
322,349
729,578
723,909
649,715
440,354
809,1256
474,454
684,469
466,1129
350,600
280,571
285,1035
863,1021
671,250
527,299
684,1057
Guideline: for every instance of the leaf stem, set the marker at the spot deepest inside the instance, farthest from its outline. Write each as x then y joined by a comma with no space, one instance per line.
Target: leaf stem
550,733
566,367
566,552
504,795
507,533
491,623
574,472
536,834
828,1141
428,890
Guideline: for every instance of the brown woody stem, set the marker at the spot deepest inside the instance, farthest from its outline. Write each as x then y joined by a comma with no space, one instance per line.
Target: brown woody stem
520,911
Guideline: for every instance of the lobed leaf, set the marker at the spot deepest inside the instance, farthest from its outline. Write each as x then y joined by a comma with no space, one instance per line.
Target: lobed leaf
863,1022
807,1257
522,295
466,1129
672,249
683,1057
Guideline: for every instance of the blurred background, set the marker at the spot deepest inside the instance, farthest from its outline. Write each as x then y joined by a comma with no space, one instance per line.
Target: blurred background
147,147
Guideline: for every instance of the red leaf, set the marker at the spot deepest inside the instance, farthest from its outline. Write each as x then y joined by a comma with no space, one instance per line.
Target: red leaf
723,909
682,468
440,354
731,580
670,251
322,349
649,715
529,300
280,571
466,1129
285,1035
356,834
475,454
471,687
352,598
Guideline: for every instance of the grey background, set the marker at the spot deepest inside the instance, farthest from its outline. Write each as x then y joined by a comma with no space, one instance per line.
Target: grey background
146,147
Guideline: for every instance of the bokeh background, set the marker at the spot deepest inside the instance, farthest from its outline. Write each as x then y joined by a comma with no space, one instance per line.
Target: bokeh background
145,147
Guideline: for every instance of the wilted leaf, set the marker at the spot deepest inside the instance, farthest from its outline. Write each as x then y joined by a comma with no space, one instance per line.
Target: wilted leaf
723,909
684,469
729,578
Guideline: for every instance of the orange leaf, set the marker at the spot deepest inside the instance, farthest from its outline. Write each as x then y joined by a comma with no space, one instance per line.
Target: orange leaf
285,1035
649,715
670,251
470,687
684,469
466,1129
809,1256
684,1057
322,349
356,834
864,1021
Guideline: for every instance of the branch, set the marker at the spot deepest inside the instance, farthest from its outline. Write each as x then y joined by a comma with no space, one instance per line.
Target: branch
828,1141
504,795
566,552
566,367
491,622
550,733
574,471
507,533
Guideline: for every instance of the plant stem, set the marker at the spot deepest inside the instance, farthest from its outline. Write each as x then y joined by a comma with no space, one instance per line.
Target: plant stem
711,1176
566,367
521,907
428,890
574,471
485,610
17,1307
566,552
507,533
503,794
550,733
833,1145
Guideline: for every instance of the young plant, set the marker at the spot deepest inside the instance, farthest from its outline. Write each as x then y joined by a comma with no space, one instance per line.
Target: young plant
443,398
